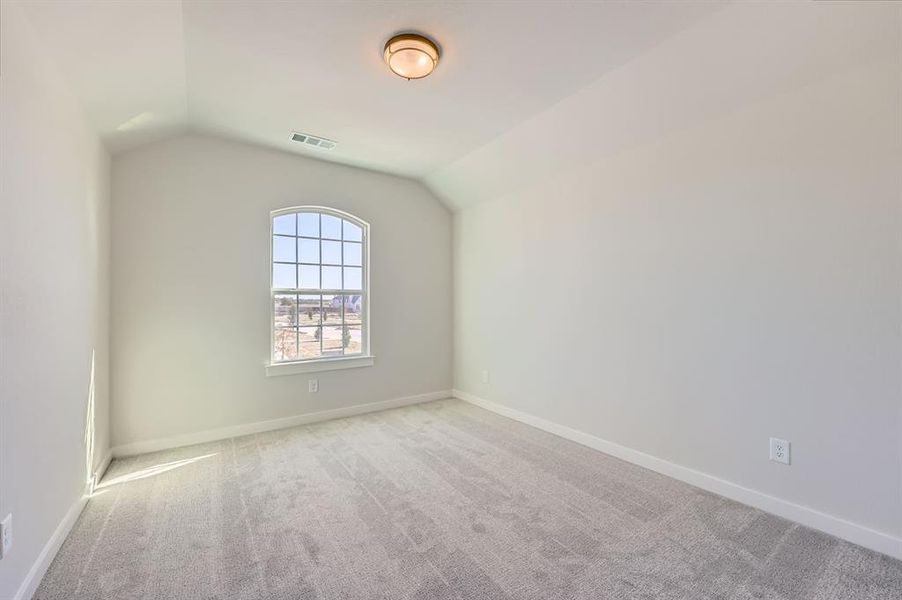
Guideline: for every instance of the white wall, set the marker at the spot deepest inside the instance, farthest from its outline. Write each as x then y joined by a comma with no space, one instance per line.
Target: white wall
693,294
54,296
191,286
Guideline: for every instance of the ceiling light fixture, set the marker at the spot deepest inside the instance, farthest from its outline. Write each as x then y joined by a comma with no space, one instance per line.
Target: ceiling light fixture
411,56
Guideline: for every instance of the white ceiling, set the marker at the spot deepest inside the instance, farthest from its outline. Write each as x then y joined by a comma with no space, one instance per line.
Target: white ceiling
258,70
745,54
525,90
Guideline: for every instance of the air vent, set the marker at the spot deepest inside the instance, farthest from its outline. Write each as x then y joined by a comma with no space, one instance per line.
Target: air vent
312,140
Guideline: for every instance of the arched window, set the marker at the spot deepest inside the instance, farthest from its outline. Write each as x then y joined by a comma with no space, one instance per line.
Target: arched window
319,282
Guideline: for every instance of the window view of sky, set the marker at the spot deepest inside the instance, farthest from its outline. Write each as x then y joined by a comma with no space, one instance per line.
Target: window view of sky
314,254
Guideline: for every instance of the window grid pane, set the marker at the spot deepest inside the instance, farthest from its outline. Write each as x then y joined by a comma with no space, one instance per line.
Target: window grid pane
285,343
283,276
285,224
283,248
285,310
331,252
308,251
309,310
352,278
309,342
310,277
330,227
351,232
352,254
308,224
354,339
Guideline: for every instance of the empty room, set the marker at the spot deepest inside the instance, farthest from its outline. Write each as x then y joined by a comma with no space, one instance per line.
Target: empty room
460,300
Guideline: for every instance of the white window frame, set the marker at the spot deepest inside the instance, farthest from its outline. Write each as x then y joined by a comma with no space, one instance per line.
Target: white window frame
323,363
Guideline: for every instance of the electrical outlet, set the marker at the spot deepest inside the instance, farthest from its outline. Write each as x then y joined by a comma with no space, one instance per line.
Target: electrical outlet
313,385
485,377
6,535
779,451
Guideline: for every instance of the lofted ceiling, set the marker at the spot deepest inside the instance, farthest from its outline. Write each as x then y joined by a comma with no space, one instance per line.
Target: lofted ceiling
258,70
742,55
525,90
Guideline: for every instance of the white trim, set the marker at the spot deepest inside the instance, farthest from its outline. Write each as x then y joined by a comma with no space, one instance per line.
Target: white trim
36,573
48,553
847,530
102,466
322,364
212,435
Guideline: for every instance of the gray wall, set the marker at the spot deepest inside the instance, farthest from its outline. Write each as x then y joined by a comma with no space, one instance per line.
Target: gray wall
191,286
690,295
54,296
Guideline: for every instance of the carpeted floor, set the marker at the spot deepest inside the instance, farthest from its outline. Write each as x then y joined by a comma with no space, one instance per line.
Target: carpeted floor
442,500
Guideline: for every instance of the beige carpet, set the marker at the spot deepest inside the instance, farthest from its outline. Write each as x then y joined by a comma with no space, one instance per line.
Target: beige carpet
435,501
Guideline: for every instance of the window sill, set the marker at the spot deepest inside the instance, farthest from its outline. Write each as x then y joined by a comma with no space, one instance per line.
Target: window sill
323,364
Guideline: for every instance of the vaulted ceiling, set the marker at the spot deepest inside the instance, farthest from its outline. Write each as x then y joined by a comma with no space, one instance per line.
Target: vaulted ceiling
523,88
259,70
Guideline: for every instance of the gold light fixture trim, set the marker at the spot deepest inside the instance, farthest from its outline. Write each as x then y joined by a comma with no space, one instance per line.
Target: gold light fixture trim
411,56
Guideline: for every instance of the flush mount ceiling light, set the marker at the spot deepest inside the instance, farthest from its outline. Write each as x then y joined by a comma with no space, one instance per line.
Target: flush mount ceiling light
411,56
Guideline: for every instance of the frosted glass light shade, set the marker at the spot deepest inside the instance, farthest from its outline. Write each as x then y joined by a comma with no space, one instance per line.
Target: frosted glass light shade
411,56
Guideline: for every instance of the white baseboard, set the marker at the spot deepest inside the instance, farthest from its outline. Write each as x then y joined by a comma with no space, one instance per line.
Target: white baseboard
48,552
853,532
102,466
223,433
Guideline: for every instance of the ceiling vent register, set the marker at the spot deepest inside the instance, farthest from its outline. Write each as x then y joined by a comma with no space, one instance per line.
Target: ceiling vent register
313,141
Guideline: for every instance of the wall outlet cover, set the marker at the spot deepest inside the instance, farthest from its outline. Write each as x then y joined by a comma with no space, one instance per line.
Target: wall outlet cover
779,450
6,535
313,385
